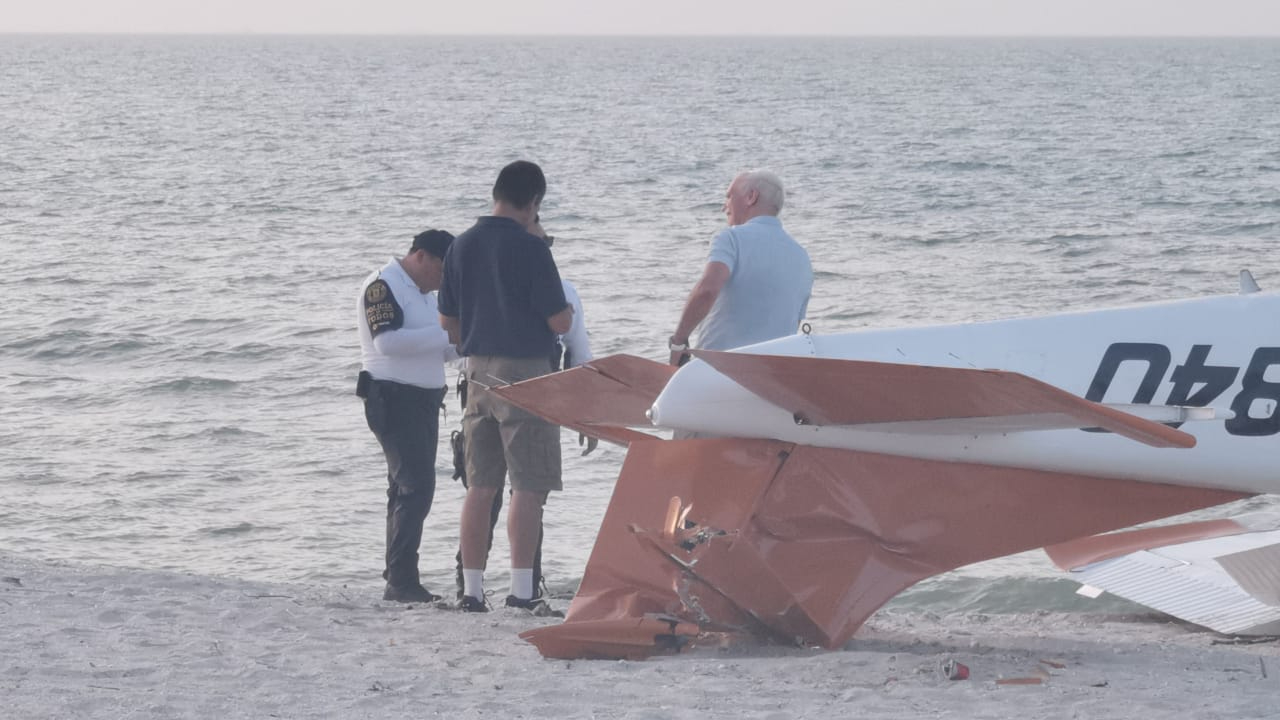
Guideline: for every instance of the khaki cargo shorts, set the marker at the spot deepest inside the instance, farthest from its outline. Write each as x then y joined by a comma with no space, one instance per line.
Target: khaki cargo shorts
502,439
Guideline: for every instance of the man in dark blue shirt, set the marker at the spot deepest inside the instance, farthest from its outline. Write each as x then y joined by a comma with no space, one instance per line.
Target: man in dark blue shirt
502,301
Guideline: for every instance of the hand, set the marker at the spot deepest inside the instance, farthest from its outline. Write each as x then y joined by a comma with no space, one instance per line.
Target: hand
679,350
590,442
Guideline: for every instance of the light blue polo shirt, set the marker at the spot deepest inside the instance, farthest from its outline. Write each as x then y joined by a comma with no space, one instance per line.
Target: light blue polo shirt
769,285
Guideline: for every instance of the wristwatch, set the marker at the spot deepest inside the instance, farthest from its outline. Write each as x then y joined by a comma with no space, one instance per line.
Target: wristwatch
674,346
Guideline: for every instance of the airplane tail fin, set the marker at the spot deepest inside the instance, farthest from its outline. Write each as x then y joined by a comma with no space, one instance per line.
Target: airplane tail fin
1248,285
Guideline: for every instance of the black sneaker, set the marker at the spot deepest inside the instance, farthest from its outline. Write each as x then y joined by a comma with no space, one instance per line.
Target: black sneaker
537,606
471,604
409,594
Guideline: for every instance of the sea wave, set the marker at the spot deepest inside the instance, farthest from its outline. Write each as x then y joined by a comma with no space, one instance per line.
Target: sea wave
241,528
964,166
1246,228
79,344
190,384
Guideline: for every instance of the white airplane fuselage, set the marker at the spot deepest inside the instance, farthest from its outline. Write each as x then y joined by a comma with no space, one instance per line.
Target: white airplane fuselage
1219,352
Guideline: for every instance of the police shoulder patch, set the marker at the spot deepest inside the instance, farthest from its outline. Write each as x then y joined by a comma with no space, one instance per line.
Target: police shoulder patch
377,291
381,310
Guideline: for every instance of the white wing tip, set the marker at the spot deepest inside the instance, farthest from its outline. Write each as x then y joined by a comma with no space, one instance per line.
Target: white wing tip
1090,591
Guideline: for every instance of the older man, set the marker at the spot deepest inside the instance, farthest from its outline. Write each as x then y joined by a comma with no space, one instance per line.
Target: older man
757,280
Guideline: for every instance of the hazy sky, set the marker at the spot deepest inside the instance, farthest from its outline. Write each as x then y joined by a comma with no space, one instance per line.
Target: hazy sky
651,17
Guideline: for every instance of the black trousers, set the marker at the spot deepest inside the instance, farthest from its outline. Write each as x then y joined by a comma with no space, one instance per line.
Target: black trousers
406,421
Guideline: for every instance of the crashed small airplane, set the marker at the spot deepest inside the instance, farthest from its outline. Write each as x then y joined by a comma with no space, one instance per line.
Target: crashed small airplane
828,473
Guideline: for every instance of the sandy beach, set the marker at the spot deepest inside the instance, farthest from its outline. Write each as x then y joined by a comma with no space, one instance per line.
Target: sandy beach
91,642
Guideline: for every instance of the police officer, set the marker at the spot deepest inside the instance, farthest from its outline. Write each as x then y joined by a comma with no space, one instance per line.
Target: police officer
403,352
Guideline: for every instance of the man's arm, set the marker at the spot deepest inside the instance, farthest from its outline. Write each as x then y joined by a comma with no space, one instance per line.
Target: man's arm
701,298
451,326
561,321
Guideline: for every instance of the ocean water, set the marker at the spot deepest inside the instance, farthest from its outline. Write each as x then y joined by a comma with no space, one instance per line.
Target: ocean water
185,221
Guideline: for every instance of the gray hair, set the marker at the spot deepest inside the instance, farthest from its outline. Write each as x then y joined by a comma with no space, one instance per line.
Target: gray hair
768,185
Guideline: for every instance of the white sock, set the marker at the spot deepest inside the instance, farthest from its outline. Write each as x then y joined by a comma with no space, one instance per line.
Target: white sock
522,583
473,583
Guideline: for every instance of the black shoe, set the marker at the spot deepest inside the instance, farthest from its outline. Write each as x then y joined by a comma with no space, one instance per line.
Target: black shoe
409,594
470,604
537,606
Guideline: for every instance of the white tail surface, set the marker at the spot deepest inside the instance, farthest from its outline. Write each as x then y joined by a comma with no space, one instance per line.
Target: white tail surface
1227,584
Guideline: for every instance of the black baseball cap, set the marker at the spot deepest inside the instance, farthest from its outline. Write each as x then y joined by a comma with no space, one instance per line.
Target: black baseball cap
435,242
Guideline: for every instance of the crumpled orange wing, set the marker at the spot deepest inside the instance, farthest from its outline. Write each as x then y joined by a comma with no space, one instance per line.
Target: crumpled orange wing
804,543
624,638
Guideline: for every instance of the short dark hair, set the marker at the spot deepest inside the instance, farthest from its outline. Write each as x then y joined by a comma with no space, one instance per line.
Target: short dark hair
435,242
520,184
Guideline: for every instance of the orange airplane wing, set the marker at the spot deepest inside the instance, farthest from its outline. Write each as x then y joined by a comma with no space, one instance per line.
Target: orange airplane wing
603,398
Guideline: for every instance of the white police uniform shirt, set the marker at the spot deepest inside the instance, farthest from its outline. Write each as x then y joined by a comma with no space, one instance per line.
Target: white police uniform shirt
577,346
400,335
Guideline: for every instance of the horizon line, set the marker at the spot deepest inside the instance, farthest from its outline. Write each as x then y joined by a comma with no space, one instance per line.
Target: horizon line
584,35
